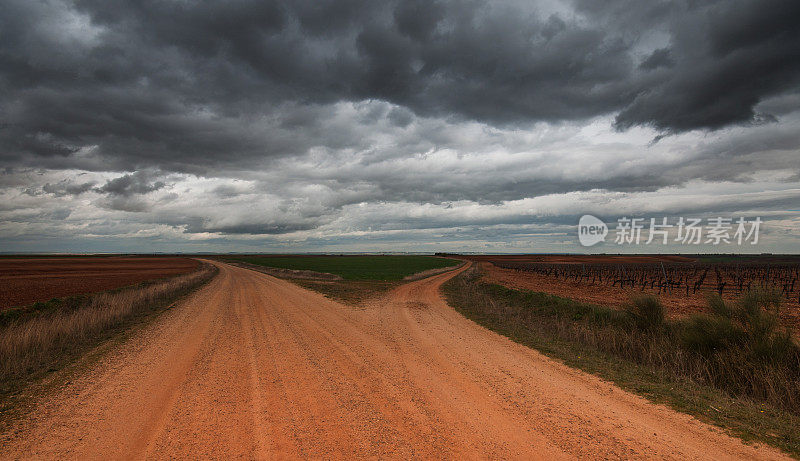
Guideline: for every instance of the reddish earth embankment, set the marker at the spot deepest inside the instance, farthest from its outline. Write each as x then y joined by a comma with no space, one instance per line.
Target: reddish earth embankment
27,280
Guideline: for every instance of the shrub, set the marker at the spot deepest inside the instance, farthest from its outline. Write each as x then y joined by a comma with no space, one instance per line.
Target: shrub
718,306
707,334
751,324
646,311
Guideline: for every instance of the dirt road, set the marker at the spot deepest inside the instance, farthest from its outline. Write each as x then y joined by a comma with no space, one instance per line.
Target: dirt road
255,367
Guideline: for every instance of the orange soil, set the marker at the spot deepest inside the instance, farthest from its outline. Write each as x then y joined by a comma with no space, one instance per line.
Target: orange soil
677,303
252,366
27,280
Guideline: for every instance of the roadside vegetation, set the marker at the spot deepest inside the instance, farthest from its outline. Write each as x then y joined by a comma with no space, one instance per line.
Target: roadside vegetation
45,337
360,267
733,365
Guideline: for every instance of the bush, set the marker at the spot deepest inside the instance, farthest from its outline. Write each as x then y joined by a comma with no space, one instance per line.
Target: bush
718,306
707,334
646,311
750,324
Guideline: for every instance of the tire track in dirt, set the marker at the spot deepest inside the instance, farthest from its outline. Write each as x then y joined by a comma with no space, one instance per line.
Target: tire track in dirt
255,367
257,406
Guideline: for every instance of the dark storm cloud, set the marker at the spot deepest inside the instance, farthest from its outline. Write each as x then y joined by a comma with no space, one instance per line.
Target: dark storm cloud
328,119
64,188
226,191
725,57
189,86
260,229
141,182
661,57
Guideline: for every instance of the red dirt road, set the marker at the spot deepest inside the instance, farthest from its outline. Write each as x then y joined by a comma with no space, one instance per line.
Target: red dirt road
255,367
27,280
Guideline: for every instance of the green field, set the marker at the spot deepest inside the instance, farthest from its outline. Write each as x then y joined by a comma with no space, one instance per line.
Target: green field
377,267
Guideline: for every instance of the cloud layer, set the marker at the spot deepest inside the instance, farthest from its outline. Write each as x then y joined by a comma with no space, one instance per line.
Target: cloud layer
313,125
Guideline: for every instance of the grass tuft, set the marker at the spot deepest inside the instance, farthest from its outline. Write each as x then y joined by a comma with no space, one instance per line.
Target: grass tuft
646,311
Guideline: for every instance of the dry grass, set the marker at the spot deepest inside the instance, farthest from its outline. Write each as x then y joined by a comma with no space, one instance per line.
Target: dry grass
741,350
733,366
46,335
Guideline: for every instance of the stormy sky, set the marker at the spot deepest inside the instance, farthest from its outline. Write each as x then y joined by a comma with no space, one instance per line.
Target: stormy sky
285,126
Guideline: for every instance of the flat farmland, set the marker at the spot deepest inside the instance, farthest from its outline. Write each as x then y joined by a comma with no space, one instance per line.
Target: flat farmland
25,280
681,282
355,267
581,259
